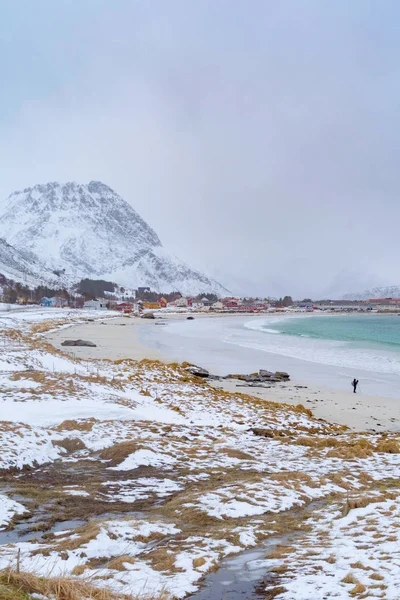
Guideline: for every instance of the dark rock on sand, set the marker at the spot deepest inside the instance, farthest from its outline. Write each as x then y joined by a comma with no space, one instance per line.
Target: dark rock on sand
282,375
198,371
78,343
263,376
264,373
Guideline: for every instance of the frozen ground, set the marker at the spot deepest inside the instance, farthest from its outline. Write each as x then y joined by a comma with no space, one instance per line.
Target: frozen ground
141,477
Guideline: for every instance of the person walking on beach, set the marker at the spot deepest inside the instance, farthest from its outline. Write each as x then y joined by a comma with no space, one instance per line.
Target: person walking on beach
354,383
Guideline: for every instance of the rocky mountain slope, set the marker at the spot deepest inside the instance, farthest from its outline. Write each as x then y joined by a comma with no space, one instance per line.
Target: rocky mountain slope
392,291
90,231
22,266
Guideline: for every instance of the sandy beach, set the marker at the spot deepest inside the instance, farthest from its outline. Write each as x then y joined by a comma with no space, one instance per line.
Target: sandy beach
122,338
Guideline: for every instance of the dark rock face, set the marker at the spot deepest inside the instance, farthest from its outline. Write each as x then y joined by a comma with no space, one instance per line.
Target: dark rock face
78,343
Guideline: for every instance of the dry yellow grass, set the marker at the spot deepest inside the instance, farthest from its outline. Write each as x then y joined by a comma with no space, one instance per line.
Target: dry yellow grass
350,578
199,562
117,453
280,552
70,444
376,577
23,584
331,559
118,563
359,588
388,446
86,533
163,559
72,424
359,565
271,594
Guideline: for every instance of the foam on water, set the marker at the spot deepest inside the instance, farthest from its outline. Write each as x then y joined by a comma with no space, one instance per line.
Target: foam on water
362,342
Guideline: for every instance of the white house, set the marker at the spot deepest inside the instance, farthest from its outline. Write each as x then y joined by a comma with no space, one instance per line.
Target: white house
182,302
95,304
217,305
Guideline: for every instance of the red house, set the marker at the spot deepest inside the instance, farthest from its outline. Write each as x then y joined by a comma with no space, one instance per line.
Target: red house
125,307
162,302
231,304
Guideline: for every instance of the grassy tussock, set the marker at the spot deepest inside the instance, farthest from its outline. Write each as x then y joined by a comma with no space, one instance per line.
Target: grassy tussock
117,453
280,552
388,446
117,564
70,444
359,565
163,560
86,533
271,594
352,503
376,577
350,578
350,452
359,588
73,425
359,447
199,562
233,453
23,585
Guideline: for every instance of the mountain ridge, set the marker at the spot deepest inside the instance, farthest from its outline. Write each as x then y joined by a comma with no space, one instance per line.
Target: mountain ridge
391,291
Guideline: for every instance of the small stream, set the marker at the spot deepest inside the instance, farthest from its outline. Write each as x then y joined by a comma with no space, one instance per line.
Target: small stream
241,577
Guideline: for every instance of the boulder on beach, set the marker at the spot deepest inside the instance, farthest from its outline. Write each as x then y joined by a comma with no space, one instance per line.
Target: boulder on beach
265,373
198,371
282,375
263,376
78,343
148,316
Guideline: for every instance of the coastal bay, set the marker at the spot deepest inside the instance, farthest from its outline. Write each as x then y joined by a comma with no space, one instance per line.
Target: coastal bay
222,344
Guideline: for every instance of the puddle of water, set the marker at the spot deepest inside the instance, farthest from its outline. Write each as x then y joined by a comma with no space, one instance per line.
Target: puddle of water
239,577
20,532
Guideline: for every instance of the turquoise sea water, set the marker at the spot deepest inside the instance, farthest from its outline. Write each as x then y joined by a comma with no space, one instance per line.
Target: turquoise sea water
328,350
361,330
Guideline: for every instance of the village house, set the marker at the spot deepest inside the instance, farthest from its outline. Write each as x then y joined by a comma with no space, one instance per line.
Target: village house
384,303
205,301
95,304
162,303
125,307
181,302
48,302
217,305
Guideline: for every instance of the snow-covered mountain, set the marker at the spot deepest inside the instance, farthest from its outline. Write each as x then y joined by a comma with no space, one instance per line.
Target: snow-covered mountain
90,231
18,265
392,291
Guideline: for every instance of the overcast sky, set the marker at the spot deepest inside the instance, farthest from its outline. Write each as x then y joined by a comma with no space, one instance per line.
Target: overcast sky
259,138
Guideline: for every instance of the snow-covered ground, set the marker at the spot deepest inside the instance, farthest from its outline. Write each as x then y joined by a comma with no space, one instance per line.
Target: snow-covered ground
159,476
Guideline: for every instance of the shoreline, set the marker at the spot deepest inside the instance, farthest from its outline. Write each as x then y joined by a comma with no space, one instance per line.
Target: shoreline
120,338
